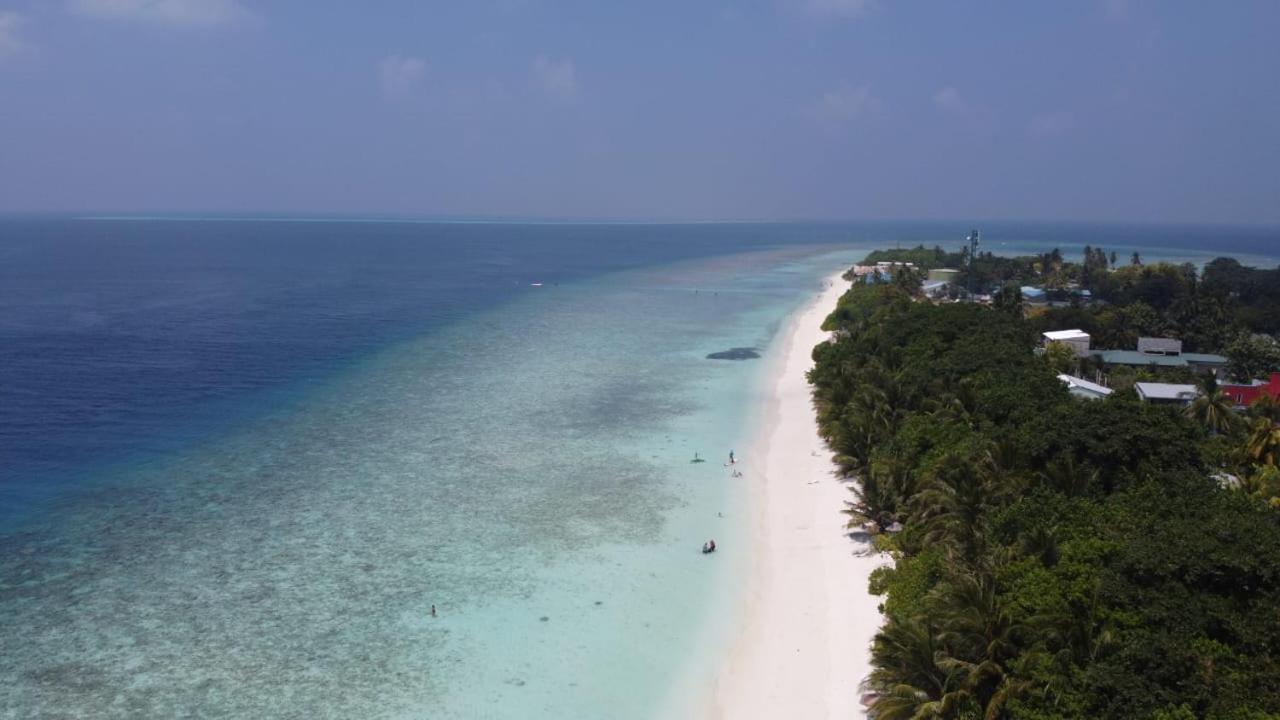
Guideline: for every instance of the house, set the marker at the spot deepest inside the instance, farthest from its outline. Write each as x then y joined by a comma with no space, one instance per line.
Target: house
1159,346
1246,395
883,270
1077,339
1055,297
935,288
1164,353
1072,292
1083,389
947,274
1206,363
1166,393
1133,358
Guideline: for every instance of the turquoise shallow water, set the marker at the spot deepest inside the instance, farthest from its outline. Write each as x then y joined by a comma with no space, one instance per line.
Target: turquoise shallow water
527,471
401,430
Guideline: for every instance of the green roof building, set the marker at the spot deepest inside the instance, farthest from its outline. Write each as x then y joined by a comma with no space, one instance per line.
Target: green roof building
1200,362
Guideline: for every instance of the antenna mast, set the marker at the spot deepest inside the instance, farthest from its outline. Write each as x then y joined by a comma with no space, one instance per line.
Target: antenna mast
973,253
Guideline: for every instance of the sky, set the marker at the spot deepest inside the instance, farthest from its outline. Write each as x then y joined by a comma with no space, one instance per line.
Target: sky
1093,110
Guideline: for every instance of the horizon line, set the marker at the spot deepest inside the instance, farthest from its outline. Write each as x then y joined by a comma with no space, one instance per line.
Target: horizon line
391,218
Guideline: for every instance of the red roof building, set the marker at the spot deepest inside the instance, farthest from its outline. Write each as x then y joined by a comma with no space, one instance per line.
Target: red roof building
1246,395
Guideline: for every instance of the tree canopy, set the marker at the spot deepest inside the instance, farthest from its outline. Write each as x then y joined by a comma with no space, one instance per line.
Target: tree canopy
1059,558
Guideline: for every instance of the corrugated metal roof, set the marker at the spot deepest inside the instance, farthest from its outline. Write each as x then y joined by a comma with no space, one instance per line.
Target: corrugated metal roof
1074,382
1205,358
1066,335
1166,391
1133,357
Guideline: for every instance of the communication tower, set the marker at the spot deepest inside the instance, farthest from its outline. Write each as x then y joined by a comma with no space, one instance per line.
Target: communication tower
973,253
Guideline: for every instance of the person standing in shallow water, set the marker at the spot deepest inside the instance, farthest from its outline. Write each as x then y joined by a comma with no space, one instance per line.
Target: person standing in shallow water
433,611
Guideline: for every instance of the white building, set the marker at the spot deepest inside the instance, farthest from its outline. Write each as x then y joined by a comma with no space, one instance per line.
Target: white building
935,288
1166,393
1081,388
1077,339
884,267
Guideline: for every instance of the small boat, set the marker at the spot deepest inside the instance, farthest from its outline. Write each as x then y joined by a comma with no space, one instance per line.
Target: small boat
535,284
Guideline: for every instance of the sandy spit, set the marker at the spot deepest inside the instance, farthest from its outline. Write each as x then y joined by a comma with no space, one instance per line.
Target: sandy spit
804,645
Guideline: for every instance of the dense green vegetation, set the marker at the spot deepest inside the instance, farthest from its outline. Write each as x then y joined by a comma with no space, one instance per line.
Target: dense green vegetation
1226,308
1058,558
990,271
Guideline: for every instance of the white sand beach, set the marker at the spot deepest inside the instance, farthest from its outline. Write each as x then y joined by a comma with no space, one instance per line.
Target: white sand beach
804,644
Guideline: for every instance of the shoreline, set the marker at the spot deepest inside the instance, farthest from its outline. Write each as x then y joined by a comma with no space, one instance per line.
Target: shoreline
803,646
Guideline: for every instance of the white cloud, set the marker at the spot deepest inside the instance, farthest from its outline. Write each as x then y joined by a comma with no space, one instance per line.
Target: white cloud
555,77
837,8
1051,124
188,13
10,42
846,104
948,98
399,75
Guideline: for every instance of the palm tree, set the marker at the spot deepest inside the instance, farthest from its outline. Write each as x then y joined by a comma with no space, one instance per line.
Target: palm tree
1002,457
904,702
1008,689
1266,406
1071,640
954,506
1264,442
955,668
1214,411
1042,542
959,403
872,502
883,488
1068,478
1264,484
952,509
1080,634
978,627
982,637
907,674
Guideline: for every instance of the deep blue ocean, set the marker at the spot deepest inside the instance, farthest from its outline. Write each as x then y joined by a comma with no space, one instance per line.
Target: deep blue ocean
238,456
127,339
